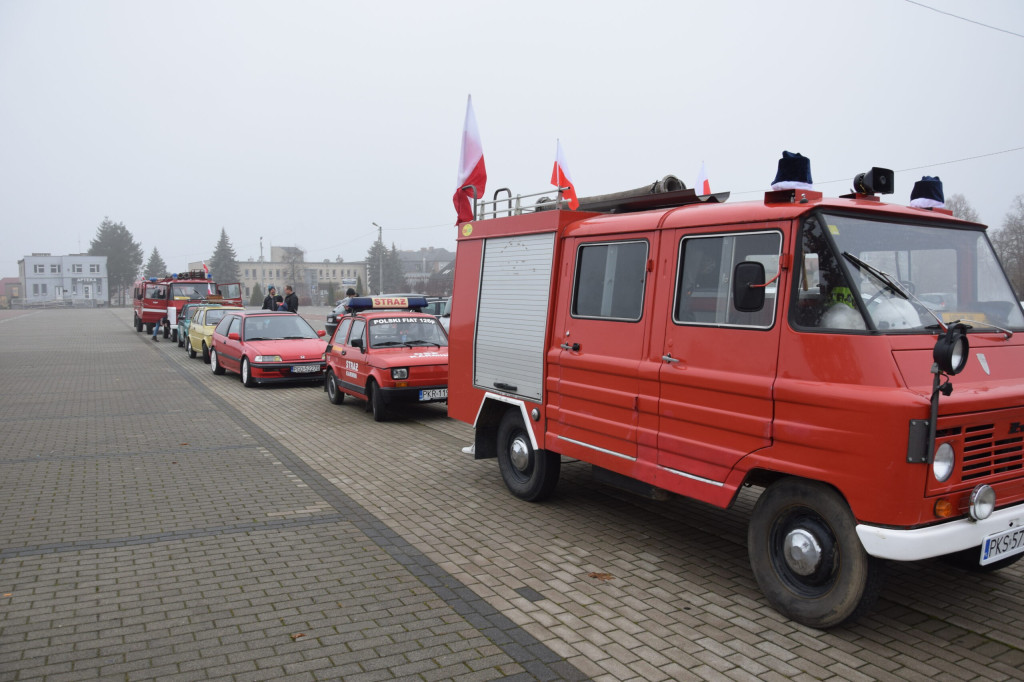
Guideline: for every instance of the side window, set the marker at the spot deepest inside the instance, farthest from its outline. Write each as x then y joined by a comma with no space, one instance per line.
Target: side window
822,297
358,329
610,280
236,325
222,328
342,331
704,279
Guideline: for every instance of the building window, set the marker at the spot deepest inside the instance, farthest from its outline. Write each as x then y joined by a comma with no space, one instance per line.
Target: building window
39,269
54,269
39,290
76,268
94,267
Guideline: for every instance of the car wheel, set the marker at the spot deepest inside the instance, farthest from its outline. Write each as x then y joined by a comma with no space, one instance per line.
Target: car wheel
188,347
206,353
528,474
806,556
217,369
376,400
246,373
334,393
174,337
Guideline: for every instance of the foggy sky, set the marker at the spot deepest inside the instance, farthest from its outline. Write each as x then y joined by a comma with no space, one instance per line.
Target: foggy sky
304,122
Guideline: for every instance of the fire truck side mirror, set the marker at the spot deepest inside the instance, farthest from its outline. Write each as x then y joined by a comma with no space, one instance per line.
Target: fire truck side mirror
748,286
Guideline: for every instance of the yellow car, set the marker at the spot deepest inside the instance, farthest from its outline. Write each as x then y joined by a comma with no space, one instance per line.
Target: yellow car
200,330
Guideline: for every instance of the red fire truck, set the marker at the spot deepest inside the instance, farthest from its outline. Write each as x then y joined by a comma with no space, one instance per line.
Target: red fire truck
159,300
680,344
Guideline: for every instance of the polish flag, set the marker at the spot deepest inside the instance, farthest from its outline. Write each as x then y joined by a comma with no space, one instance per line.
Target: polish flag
206,268
560,178
703,184
471,167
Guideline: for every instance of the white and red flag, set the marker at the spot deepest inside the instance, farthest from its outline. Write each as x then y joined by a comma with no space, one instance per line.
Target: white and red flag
471,167
703,184
560,178
206,268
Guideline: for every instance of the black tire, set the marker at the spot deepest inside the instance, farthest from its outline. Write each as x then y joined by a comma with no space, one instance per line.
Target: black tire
188,347
138,324
149,328
528,474
375,398
245,373
175,338
967,560
214,365
206,353
334,393
836,581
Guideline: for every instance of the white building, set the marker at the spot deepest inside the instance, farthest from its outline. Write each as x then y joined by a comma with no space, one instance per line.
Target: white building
77,280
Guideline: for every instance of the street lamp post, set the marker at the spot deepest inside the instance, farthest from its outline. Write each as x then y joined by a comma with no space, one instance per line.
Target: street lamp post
380,259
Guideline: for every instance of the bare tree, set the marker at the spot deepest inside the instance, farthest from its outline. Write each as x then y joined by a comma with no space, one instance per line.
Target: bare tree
1009,243
962,208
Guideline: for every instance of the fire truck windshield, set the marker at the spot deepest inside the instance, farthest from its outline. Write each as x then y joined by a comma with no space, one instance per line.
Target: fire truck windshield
191,290
897,277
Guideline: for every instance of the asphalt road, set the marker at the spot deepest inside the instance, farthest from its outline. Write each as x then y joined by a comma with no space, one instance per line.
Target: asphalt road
160,522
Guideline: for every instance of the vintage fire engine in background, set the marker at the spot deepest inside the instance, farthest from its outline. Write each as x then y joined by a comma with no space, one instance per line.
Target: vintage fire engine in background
856,360
159,300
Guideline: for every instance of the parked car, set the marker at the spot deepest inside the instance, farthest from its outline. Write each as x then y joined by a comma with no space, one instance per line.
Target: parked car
435,306
184,321
200,329
268,347
387,356
446,314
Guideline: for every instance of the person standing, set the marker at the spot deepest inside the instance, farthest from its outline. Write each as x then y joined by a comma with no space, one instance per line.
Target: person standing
291,301
268,302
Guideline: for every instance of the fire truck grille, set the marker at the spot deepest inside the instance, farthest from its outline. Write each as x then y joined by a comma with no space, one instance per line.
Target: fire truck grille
986,456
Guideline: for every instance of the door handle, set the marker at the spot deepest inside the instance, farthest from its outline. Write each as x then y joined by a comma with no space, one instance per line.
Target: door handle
574,347
668,358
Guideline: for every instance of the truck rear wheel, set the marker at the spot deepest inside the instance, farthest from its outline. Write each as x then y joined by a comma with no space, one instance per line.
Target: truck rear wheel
528,474
806,556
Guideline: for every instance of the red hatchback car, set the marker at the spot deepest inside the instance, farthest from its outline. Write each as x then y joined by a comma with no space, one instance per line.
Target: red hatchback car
387,356
268,347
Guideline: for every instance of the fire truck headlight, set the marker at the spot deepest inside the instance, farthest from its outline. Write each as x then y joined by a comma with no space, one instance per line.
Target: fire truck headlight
267,358
400,373
952,349
983,502
942,462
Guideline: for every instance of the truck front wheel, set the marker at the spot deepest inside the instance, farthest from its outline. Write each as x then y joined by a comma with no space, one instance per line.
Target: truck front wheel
528,474
806,556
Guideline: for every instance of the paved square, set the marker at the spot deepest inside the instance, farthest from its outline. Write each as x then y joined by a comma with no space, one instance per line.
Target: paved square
160,522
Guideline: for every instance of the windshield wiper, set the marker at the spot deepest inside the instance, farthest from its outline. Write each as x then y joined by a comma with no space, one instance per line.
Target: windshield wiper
258,338
892,284
422,342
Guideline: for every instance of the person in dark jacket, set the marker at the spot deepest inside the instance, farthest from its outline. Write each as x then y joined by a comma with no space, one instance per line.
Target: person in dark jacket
291,301
268,302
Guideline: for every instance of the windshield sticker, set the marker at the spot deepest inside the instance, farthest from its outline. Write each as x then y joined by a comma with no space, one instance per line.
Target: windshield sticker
834,230
399,320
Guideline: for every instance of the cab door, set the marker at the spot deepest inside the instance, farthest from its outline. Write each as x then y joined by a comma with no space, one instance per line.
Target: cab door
353,358
601,331
718,364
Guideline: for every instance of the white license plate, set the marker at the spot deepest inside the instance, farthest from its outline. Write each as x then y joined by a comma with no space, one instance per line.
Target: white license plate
433,393
306,369
1007,543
